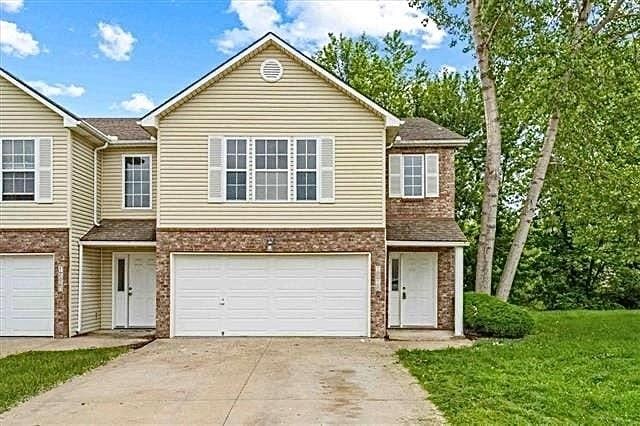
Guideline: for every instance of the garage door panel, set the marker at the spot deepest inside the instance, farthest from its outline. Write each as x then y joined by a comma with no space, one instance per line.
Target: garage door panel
290,295
26,295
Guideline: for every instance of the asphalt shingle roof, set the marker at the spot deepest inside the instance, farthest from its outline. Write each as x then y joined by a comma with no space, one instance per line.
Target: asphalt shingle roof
123,230
424,230
123,128
422,129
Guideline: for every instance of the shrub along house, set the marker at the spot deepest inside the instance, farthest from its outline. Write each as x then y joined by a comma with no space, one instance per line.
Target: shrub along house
267,198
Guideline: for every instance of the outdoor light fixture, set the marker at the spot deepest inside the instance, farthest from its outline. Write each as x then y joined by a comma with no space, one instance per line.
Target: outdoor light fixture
270,242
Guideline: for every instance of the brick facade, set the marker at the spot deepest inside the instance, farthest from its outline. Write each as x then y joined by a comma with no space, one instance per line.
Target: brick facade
54,241
254,241
442,206
446,281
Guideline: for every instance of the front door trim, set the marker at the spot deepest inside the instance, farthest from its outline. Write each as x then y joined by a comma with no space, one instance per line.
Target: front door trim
115,256
398,320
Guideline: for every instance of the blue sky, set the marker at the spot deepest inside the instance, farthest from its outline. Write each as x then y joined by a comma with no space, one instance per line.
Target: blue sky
119,58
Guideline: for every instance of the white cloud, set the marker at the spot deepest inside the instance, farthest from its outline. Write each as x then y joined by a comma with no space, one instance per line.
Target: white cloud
447,69
307,23
138,102
115,43
11,6
14,41
58,89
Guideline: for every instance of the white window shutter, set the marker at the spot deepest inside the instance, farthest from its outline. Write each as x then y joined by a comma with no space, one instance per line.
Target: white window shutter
432,175
395,175
326,181
44,178
292,169
217,165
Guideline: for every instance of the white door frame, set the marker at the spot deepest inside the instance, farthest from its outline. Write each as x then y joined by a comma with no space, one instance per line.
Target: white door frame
398,255
114,283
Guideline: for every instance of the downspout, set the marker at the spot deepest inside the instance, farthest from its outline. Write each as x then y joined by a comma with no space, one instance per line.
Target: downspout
96,223
95,182
80,268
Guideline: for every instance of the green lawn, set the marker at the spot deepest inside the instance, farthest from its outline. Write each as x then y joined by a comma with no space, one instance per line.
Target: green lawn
579,367
29,373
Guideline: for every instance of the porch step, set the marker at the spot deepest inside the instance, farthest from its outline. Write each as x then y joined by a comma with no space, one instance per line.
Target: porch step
127,333
419,334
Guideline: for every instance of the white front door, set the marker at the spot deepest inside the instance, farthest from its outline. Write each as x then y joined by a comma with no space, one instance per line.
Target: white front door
135,290
270,295
26,295
413,289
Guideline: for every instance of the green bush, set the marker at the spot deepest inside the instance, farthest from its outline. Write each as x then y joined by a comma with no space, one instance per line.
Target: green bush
488,316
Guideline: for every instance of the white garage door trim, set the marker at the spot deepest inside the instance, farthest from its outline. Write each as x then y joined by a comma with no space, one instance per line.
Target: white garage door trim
49,332
172,288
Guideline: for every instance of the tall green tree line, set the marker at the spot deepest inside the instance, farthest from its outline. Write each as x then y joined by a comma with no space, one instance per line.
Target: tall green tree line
584,245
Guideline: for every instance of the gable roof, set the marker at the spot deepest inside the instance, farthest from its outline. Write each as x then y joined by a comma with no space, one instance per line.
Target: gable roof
69,119
150,119
125,129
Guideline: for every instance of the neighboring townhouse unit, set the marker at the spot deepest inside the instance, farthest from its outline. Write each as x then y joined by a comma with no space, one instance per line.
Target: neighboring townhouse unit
268,198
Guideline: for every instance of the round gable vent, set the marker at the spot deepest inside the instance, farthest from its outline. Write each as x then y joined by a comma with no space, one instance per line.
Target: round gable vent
271,70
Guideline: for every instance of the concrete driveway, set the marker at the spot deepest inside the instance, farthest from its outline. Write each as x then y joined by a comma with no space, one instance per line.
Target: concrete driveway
239,381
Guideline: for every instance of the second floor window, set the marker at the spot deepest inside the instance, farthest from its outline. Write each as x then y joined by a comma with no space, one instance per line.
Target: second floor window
414,175
306,165
137,181
272,158
236,169
18,170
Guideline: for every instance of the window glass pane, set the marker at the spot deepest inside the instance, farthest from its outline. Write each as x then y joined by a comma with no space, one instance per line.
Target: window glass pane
260,162
260,146
231,161
260,192
311,161
271,162
18,186
231,146
282,161
261,178
121,272
241,161
271,147
395,274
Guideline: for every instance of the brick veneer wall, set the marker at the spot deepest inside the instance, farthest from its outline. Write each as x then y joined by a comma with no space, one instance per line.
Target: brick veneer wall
54,241
254,241
442,206
446,281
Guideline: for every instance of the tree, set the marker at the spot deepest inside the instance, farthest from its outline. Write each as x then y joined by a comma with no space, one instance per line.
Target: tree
526,54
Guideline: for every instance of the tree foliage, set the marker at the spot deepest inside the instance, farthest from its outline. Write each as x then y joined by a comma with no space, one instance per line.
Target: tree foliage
584,248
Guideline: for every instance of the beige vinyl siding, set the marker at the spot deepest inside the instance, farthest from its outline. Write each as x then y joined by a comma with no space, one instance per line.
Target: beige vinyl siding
81,221
112,183
106,281
301,103
23,116
91,289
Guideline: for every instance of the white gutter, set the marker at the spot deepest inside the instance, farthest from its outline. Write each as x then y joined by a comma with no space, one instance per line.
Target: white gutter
95,182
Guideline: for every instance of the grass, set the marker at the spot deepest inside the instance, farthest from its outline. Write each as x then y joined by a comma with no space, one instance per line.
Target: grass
30,373
579,367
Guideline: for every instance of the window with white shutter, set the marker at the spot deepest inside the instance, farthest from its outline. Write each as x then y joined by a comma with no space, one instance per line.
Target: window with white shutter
432,175
26,169
216,169
327,170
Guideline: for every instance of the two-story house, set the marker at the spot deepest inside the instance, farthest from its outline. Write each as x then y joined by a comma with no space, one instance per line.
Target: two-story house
267,198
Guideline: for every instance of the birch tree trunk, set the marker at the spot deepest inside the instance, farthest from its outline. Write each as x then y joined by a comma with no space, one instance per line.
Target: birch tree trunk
540,171
528,209
486,240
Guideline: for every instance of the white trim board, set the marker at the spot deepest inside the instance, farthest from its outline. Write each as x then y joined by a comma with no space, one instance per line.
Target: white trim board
118,243
393,243
151,119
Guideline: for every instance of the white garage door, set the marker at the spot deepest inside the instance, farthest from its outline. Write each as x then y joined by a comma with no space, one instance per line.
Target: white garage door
270,295
26,295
